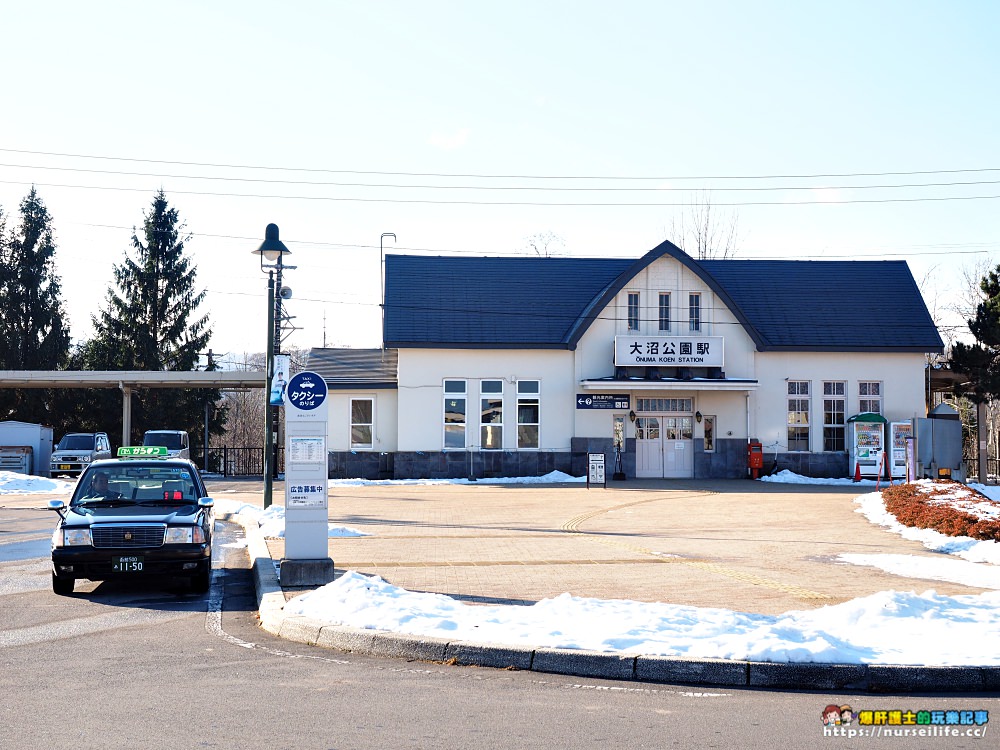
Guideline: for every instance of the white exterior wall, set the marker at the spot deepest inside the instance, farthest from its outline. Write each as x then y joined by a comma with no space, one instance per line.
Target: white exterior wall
901,376
595,351
421,377
385,415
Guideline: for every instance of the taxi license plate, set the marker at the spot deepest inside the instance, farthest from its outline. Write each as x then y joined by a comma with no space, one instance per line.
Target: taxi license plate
65,467
130,564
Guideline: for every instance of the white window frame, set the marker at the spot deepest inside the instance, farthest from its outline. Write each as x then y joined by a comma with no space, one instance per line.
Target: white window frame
664,311
370,425
490,390
694,311
451,392
528,397
797,396
867,399
709,432
633,311
834,392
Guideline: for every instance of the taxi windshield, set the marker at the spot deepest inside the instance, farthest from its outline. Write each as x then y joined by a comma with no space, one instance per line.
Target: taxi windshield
140,484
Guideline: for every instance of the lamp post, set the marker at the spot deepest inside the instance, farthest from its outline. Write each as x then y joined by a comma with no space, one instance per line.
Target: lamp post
272,249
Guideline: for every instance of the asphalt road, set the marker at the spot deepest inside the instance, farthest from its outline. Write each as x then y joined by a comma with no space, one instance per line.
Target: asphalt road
126,665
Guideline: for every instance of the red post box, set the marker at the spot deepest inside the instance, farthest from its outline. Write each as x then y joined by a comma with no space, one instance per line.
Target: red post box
755,457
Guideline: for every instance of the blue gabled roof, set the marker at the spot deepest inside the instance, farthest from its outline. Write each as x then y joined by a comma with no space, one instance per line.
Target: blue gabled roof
549,303
820,305
520,303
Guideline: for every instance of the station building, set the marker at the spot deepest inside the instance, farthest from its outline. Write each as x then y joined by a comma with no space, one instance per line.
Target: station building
670,366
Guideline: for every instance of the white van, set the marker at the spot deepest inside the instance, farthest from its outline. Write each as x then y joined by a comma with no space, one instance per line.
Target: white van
175,441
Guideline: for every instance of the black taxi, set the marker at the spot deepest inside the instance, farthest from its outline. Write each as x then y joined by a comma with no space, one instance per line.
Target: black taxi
138,516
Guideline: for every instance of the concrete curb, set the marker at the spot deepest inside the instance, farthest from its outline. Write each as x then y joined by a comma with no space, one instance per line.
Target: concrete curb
871,678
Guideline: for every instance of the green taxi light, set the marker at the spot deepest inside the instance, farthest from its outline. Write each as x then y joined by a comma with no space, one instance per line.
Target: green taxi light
145,451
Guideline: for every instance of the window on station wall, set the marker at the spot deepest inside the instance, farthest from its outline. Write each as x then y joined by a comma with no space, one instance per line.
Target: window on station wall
694,312
454,413
708,423
362,423
664,311
798,415
633,311
834,415
491,415
870,396
528,413
683,405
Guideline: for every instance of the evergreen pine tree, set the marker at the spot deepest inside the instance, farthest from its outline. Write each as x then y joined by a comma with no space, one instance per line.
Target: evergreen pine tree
981,361
150,323
34,334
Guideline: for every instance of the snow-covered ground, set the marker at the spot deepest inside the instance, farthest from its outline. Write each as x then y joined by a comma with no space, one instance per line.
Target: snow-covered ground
890,627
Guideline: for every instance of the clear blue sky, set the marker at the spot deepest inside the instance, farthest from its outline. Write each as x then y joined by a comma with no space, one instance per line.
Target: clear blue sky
653,91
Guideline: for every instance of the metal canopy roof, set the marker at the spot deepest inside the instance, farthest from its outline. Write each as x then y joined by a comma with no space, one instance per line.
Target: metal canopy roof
128,380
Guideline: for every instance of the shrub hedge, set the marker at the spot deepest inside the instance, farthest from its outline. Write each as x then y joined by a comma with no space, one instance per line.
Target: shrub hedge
913,505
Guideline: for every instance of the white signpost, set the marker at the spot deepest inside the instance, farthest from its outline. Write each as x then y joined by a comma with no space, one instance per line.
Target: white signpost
595,470
307,560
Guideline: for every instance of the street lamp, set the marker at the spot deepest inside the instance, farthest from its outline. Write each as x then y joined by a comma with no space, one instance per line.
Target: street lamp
272,249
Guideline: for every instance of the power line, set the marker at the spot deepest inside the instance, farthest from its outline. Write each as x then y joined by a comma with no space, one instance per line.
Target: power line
658,189
947,248
507,176
419,201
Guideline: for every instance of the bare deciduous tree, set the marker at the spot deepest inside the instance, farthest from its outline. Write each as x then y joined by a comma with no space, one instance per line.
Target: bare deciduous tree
245,419
541,243
705,233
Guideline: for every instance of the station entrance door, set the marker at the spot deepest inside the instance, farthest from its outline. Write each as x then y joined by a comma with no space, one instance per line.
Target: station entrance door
664,446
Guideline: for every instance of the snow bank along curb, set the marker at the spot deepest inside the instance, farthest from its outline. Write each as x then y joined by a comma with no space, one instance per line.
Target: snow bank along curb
874,678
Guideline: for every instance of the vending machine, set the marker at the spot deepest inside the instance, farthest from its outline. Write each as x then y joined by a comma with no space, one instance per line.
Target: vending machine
867,445
899,432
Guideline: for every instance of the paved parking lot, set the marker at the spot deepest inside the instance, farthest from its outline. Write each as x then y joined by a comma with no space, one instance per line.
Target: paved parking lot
749,546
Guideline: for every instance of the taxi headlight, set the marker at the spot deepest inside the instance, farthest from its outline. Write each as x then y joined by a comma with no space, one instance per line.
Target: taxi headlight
184,535
74,538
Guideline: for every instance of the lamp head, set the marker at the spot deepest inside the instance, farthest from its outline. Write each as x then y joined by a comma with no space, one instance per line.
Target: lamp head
271,248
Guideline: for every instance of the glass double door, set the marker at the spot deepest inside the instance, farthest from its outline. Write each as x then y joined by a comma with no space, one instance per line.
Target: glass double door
664,446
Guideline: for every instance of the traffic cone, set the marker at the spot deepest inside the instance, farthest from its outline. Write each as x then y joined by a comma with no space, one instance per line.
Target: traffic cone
857,472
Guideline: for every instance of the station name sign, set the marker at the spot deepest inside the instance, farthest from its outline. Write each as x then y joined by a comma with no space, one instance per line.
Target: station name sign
669,351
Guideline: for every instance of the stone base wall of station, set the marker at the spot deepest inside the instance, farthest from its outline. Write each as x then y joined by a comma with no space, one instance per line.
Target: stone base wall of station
450,464
818,465
727,461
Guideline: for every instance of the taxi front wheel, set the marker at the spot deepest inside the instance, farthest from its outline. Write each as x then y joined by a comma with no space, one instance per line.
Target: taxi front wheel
62,586
201,582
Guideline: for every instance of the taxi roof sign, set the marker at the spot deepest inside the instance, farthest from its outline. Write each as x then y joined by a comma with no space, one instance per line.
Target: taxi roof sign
142,451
